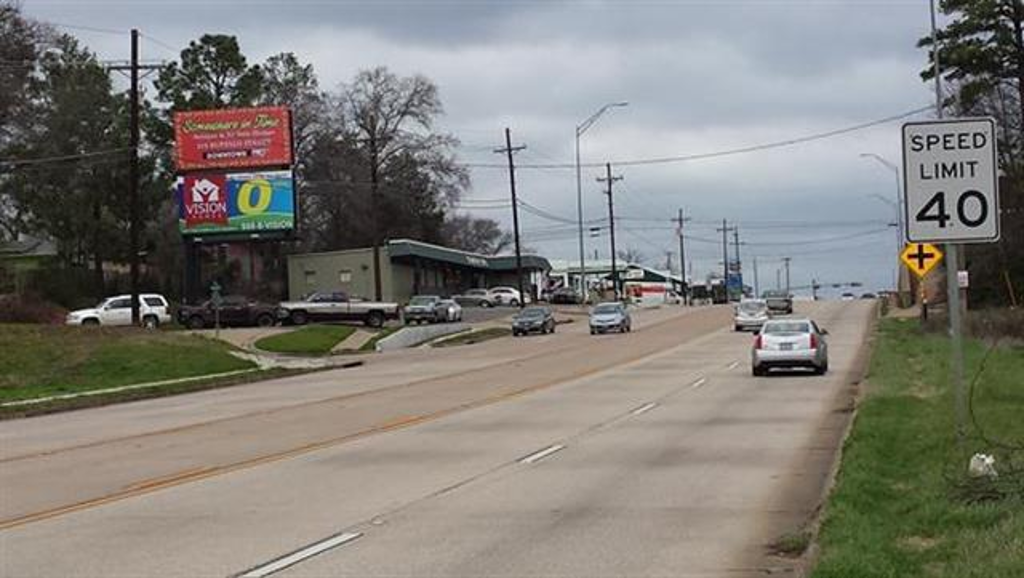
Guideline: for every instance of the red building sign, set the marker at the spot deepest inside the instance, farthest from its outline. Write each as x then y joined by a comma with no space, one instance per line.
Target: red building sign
232,138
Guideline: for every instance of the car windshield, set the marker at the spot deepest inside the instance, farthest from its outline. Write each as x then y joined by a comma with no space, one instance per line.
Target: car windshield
607,308
532,312
422,300
787,327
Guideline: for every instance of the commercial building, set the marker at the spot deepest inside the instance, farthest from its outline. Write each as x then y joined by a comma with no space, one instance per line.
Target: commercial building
410,268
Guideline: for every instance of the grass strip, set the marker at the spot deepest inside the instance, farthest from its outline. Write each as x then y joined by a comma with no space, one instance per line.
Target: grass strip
46,360
899,508
311,340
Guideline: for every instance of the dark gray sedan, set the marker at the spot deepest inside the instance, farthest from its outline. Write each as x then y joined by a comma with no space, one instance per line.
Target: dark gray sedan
533,320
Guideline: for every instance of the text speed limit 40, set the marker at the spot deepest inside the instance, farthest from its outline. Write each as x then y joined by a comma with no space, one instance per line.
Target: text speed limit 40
951,181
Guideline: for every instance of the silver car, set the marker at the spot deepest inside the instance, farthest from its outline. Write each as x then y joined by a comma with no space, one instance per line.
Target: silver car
751,314
790,343
452,309
612,316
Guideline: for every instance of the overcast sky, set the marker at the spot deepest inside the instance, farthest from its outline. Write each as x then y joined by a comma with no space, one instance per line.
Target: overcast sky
699,76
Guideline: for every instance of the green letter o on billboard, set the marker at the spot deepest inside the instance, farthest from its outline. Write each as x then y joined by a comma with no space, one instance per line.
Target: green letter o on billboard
264,192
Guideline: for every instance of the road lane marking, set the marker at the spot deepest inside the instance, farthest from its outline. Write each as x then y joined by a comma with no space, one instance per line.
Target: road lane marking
644,408
538,456
698,383
733,365
294,558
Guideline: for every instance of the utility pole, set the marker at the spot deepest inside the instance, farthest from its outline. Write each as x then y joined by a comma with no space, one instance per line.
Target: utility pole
610,180
509,150
133,69
952,283
757,286
786,260
778,279
682,256
725,256
739,264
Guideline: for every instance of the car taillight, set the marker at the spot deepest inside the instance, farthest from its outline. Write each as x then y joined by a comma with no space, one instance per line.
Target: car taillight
758,342
814,341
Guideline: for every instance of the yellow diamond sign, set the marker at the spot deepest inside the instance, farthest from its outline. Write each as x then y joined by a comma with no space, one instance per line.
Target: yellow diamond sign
921,258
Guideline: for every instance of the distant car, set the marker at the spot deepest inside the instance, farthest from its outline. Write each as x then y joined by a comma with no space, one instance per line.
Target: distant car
868,296
779,302
750,314
452,309
475,298
789,343
235,311
611,316
848,297
153,310
533,320
506,296
425,308
566,295
336,306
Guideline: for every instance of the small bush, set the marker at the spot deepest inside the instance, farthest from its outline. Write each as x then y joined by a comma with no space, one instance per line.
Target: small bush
29,309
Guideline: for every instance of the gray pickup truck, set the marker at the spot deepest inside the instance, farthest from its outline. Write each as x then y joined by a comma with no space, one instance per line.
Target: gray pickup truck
336,306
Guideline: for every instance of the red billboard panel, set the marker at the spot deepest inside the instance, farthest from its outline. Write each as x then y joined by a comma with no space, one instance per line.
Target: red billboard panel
232,138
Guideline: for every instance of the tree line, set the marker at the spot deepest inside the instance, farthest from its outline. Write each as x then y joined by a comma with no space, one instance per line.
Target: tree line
64,148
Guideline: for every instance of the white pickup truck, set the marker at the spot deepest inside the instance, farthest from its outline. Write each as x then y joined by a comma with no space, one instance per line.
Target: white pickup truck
336,306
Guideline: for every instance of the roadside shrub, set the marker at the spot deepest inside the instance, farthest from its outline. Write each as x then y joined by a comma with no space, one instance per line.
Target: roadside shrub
986,324
29,309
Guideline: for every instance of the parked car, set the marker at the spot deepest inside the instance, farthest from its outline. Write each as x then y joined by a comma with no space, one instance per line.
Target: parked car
453,311
235,311
779,302
424,309
475,298
868,296
533,320
566,295
789,343
848,297
336,306
750,314
117,310
506,296
611,316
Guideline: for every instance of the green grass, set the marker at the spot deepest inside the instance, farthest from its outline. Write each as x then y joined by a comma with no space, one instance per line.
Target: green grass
471,337
44,360
312,340
899,509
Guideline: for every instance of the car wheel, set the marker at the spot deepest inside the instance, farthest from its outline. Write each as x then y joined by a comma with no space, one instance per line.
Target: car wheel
150,322
299,317
264,320
195,322
485,304
757,371
553,326
593,332
375,319
514,303
92,322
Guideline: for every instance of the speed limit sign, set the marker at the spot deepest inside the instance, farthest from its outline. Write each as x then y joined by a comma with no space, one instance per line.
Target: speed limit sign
951,183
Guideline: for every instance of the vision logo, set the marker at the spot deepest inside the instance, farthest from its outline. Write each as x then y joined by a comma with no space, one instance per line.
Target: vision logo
205,200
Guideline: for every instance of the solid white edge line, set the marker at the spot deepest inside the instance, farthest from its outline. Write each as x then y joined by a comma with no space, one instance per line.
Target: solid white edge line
537,456
699,383
298,556
644,408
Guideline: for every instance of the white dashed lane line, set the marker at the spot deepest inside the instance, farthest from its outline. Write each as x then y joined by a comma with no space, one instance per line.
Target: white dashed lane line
288,560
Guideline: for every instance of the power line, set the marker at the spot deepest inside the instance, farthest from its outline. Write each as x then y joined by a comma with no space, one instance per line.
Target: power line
722,153
88,28
15,163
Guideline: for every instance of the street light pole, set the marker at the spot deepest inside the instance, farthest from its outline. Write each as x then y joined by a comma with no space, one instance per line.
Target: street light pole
580,129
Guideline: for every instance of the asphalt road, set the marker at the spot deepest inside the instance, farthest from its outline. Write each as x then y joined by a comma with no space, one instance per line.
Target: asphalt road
649,454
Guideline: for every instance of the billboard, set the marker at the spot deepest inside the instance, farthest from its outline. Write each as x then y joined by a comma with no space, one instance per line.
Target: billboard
247,203
233,138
